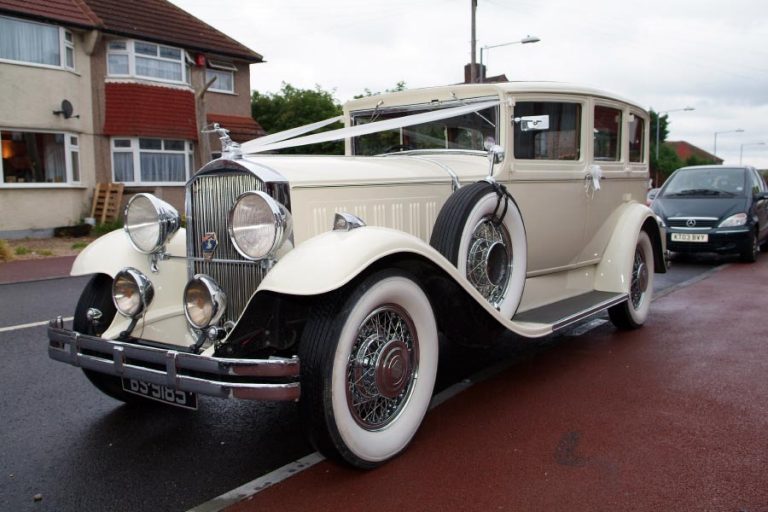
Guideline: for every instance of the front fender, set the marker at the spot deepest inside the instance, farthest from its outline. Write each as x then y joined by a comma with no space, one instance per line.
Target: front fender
164,320
332,259
614,272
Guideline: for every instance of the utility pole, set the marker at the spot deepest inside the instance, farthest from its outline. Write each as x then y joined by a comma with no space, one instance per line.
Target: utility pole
473,63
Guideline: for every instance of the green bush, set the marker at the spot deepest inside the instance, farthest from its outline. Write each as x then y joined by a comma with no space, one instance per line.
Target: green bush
103,229
21,250
79,245
5,251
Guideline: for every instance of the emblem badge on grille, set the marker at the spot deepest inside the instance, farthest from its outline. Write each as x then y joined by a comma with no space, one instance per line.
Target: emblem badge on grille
690,223
208,245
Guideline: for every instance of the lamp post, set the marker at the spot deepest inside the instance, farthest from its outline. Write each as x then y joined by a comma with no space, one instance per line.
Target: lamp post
741,151
658,124
737,130
526,40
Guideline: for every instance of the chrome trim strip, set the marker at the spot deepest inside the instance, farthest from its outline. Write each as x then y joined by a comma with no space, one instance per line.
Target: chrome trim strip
692,218
455,184
569,320
125,360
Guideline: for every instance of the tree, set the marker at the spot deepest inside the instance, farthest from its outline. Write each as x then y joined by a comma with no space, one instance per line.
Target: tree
292,107
668,162
399,86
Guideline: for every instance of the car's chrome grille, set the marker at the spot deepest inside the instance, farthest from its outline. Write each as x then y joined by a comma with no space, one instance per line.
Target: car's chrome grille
692,223
211,197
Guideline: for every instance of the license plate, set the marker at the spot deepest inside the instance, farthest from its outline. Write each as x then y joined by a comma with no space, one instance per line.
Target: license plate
690,237
160,393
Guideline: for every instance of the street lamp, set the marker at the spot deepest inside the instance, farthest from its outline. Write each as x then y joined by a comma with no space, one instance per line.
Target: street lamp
741,152
738,130
525,40
658,124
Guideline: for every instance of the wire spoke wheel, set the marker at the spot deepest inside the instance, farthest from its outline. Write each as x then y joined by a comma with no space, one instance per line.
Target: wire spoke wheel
639,283
382,367
489,260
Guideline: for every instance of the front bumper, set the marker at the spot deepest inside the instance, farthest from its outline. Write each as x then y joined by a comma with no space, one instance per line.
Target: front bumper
248,379
718,241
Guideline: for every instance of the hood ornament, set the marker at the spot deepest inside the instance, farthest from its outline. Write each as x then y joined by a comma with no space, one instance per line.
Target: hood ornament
229,148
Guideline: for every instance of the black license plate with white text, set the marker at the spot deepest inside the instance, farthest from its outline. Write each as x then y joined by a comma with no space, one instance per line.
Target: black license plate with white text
161,393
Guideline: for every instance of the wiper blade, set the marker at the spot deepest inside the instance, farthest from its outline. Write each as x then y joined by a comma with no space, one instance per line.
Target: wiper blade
696,192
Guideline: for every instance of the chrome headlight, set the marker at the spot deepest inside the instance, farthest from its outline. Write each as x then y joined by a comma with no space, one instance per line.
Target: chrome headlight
258,225
204,301
132,292
149,222
734,221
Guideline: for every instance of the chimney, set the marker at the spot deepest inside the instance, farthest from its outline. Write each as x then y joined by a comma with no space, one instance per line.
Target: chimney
479,72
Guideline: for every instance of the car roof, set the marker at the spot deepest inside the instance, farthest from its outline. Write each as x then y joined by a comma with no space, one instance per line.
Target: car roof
726,168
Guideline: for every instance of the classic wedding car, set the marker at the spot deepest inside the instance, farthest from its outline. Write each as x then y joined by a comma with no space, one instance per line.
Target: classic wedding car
464,210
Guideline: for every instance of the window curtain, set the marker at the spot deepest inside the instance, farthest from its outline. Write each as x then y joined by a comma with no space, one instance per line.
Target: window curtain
123,166
29,42
163,70
162,167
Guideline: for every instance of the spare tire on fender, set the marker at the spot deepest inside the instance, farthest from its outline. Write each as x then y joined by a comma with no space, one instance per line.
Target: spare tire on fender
480,230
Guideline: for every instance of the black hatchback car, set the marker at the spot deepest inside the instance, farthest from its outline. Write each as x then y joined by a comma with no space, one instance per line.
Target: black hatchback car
715,209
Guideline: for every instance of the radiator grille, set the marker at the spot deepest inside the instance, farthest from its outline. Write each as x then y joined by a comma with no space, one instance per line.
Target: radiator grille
211,197
685,222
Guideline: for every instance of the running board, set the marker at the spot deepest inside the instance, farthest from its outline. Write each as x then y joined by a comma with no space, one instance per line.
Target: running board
569,311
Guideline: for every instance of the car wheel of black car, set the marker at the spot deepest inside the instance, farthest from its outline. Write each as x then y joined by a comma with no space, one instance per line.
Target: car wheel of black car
481,231
749,255
633,313
97,294
368,367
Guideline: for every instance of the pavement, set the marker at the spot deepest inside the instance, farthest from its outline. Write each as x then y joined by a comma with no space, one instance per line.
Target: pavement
672,416
34,270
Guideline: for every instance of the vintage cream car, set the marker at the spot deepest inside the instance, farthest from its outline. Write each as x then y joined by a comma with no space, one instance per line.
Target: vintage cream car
465,210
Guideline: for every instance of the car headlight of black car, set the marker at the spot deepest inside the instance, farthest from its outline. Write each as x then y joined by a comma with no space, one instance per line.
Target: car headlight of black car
733,221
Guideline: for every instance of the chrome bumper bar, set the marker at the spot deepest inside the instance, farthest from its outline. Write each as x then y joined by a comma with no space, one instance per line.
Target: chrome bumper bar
181,371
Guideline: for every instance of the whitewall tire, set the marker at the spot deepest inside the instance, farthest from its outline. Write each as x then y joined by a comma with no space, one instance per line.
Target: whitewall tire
634,312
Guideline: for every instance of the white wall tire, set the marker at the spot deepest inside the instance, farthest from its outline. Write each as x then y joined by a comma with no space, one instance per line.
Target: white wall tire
634,312
369,363
491,255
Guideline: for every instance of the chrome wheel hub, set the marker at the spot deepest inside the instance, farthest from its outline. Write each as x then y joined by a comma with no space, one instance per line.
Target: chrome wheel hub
489,260
382,367
640,278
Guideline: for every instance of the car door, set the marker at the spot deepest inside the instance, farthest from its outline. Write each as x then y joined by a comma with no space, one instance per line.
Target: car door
760,203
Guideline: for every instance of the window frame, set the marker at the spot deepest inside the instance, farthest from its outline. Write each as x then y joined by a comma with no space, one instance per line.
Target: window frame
135,150
581,141
64,45
620,157
643,140
130,52
69,149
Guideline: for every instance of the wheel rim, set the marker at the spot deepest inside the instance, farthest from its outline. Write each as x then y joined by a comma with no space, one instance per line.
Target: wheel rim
640,278
489,260
382,367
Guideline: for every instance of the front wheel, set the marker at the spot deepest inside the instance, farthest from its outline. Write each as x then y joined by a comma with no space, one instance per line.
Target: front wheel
633,313
749,255
369,363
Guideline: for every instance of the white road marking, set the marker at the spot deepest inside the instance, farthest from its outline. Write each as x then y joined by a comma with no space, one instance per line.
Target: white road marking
27,326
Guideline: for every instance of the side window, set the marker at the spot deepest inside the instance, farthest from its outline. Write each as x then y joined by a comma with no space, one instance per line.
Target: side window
754,182
607,134
559,142
636,138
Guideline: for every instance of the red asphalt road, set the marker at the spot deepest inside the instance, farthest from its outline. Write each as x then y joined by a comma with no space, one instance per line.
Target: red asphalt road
673,416
32,270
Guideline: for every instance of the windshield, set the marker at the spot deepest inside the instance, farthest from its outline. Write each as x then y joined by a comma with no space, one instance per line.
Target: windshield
705,182
468,131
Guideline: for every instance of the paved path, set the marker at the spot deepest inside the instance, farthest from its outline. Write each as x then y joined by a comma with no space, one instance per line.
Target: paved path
33,270
670,417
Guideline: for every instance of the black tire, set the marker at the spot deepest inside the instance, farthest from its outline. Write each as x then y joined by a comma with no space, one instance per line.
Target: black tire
632,314
360,352
749,255
457,235
98,294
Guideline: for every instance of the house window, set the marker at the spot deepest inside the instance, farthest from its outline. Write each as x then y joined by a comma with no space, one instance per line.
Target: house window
156,161
36,43
224,73
37,157
146,60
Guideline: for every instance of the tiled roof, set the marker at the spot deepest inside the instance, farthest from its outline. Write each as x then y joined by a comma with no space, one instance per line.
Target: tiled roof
154,20
66,11
135,110
686,150
241,129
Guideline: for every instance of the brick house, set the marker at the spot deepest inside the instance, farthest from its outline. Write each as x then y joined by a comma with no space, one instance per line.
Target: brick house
98,91
686,150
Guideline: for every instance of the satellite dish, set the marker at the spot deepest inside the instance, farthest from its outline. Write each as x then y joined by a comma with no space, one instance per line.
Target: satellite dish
66,109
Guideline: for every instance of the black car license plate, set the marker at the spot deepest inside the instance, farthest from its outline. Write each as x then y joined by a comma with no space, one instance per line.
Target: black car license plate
164,394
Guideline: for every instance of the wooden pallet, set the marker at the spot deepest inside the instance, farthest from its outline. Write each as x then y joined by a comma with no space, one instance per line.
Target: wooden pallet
106,202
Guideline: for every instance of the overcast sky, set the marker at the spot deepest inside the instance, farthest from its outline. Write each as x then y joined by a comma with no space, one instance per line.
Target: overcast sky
663,54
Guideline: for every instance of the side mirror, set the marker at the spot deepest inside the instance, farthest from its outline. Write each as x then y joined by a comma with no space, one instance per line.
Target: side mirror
532,123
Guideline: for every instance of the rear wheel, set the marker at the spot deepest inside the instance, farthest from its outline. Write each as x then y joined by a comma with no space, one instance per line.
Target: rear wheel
633,313
369,363
97,294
